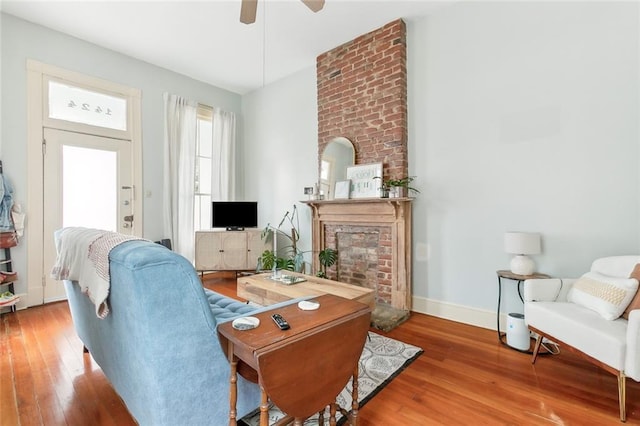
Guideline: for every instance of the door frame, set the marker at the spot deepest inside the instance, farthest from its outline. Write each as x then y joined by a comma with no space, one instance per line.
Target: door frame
37,75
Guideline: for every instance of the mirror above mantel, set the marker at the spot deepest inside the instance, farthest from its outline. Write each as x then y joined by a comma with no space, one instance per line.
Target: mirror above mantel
337,155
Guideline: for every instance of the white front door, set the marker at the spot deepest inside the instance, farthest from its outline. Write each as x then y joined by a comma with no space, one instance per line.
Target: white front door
87,183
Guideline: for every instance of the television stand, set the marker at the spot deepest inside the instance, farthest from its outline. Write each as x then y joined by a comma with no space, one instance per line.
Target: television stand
235,228
219,250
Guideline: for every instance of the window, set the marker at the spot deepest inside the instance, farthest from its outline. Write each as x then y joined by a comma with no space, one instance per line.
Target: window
72,103
202,190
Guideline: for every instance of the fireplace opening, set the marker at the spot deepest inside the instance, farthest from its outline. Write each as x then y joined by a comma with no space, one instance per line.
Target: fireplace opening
364,257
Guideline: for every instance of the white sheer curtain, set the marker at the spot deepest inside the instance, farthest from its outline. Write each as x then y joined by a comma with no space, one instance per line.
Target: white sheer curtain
179,172
223,157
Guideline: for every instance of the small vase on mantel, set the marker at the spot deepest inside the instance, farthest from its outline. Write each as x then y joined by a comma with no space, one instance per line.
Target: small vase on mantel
397,192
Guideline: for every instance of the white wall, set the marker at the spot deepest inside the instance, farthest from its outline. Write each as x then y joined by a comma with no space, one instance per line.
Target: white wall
21,40
280,153
522,116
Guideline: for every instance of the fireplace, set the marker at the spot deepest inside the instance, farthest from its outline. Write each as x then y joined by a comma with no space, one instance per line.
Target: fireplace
373,239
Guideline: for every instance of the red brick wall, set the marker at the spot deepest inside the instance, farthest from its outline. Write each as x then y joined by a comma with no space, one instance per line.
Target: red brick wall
362,95
364,257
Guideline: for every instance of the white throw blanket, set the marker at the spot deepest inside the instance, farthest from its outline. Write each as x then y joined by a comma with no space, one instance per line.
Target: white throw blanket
83,256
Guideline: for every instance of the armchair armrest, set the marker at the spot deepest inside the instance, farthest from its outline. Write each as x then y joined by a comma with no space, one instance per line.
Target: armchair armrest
547,289
632,359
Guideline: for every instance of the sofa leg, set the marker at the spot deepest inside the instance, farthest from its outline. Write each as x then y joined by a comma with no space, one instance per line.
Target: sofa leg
622,396
536,348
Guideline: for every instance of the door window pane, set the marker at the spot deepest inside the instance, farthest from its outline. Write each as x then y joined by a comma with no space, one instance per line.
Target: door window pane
89,172
78,105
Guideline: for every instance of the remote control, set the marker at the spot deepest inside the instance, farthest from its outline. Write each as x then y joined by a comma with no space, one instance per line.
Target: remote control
280,322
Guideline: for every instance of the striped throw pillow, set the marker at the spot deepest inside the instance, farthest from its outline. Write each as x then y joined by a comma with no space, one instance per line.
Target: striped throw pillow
608,296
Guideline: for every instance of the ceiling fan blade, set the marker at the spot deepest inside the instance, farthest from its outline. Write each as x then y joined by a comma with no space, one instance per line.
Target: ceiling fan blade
248,11
315,5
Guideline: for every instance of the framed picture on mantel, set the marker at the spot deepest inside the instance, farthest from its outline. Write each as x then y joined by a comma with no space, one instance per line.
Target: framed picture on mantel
343,189
363,184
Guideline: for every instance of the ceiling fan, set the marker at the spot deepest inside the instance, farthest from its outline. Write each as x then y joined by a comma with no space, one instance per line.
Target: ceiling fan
249,7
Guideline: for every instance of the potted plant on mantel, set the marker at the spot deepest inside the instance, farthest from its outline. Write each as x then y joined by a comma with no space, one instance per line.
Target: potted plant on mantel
396,188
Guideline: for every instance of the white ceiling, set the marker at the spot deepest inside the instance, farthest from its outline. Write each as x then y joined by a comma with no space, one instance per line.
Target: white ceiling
205,39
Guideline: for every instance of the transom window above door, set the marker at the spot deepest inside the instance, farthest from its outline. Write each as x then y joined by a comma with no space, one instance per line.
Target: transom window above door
79,105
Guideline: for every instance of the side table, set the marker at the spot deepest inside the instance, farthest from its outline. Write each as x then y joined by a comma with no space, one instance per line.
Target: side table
519,279
304,368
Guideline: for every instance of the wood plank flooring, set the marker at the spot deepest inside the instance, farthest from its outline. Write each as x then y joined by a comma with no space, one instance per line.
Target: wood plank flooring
464,377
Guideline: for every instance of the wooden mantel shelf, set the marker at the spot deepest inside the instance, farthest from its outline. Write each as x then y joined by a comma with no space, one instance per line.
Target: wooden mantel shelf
360,210
358,201
391,213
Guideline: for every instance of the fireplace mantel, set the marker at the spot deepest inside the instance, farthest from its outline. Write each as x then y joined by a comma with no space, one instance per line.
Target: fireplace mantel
392,214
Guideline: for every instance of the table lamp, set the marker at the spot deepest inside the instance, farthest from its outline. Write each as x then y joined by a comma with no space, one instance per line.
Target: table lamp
521,244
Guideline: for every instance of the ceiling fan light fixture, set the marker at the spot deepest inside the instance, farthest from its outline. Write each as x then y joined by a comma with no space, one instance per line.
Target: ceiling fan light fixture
248,9
314,5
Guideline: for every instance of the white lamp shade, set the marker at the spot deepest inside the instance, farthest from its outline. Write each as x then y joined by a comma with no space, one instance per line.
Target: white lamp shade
522,243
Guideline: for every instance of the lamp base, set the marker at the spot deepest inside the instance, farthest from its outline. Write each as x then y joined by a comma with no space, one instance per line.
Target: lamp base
522,265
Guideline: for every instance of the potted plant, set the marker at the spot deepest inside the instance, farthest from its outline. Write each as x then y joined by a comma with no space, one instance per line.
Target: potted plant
396,188
294,257
327,258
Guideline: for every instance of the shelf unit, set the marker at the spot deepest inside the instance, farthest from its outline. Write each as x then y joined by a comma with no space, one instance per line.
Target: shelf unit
7,273
9,279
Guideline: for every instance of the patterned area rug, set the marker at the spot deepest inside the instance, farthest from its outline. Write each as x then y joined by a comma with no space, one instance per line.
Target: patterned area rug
381,361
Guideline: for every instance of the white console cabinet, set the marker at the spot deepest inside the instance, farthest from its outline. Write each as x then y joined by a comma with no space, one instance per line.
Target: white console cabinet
219,250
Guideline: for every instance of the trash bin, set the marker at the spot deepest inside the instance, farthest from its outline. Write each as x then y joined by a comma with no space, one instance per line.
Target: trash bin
517,332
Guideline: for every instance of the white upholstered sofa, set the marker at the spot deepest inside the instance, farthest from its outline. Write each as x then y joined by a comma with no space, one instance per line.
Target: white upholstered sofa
584,315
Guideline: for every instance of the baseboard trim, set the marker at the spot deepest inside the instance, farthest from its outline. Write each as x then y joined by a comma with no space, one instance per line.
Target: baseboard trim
34,296
458,313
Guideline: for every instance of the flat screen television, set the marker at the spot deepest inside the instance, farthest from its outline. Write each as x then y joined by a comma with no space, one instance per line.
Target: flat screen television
234,215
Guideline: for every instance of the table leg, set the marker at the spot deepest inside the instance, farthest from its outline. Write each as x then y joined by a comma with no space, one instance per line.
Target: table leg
498,310
264,408
332,414
233,388
519,285
354,396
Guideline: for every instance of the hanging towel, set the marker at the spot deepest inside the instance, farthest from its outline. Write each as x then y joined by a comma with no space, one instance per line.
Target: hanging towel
83,257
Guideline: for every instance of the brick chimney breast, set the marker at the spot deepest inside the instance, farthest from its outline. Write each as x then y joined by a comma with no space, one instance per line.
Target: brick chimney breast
362,95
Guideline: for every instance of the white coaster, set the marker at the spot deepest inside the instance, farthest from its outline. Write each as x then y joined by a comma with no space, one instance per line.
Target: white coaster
245,323
308,305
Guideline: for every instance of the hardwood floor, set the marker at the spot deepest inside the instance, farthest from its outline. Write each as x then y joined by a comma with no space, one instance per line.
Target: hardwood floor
464,377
